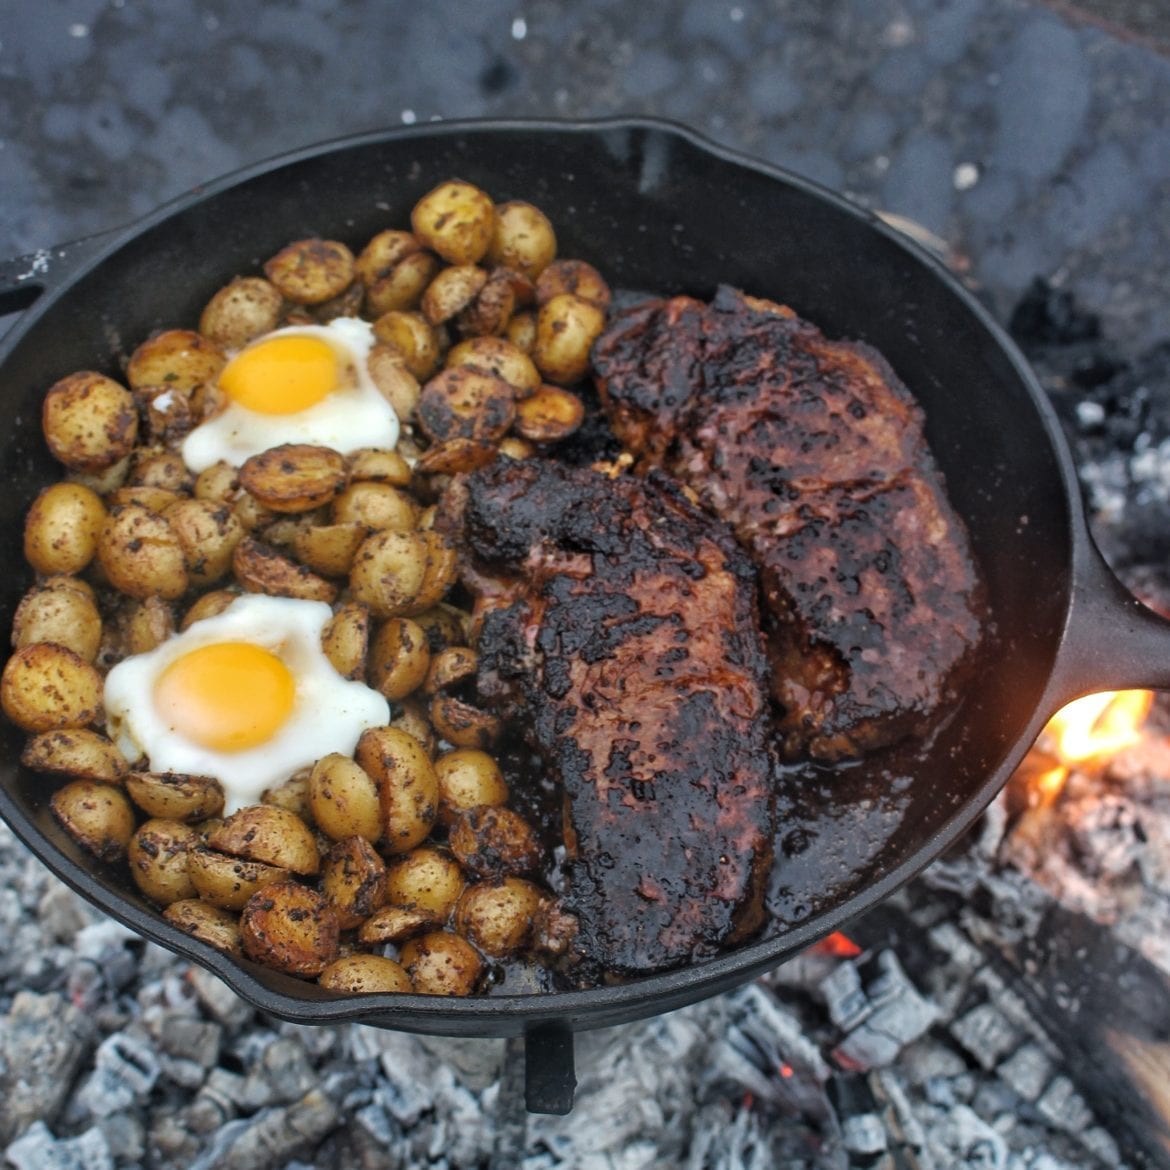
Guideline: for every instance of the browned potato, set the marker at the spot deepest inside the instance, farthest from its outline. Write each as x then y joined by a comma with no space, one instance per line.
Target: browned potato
523,238
153,499
566,328
551,414
143,625
62,529
345,639
442,963
413,336
59,612
464,403
329,549
444,626
521,331
461,724
455,456
468,779
452,290
292,795
208,605
207,923
365,975
76,752
576,277
294,477
175,796
105,481
391,375
97,816
141,555
261,569
158,860
226,881
395,924
514,447
406,782
411,717
262,832
353,880
450,667
493,841
399,658
167,414
290,928
376,506
388,571
46,687
425,879
383,254
374,463
440,572
156,468
403,286
344,799
345,304
488,314
178,358
209,533
89,421
455,219
497,916
241,311
501,359
311,271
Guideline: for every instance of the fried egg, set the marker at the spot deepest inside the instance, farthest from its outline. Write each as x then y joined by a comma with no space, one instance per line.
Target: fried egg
302,384
247,696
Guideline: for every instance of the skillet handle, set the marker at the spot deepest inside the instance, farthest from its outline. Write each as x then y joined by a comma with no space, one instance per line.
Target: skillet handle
24,278
550,1077
1112,641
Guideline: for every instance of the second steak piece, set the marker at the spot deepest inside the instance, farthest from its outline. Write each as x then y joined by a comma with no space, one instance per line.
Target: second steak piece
814,452
619,629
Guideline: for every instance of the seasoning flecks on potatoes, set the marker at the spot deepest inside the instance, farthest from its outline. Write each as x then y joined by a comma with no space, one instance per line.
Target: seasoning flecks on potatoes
89,421
241,311
59,612
291,928
62,529
46,687
311,271
179,358
457,220
141,554
79,752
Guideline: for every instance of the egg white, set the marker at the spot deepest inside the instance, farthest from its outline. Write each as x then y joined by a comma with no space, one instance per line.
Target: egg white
352,416
329,712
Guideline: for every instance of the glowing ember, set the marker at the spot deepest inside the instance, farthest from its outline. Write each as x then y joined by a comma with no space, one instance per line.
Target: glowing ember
837,945
1098,726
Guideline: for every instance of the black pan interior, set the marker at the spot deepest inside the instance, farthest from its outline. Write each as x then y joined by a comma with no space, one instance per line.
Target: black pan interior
654,209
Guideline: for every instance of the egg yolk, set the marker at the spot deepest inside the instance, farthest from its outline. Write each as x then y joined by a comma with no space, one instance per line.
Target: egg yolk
227,696
282,375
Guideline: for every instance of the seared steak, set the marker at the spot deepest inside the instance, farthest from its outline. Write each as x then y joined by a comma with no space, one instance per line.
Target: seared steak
814,452
619,629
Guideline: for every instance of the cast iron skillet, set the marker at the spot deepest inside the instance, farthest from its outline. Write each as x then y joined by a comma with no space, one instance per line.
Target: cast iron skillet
658,208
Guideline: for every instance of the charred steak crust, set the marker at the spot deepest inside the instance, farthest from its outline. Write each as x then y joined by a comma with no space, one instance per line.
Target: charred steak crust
814,452
622,634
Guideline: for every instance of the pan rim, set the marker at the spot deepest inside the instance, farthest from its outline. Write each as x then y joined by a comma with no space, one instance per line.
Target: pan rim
643,995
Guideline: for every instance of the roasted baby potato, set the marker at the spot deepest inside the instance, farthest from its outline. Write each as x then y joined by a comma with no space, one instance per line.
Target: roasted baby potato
390,373
487,314
376,506
452,290
500,358
89,421
46,687
141,554
468,778
461,724
294,477
241,311
409,792
413,336
344,799
400,657
523,238
63,611
493,842
77,752
179,358
262,832
259,568
388,571
425,879
457,220
208,923
208,533
345,639
175,796
97,816
353,880
576,277
311,271
329,549
566,328
462,403
365,975
551,414
157,854
226,881
497,916
373,463
395,924
143,625
291,928
62,529
442,963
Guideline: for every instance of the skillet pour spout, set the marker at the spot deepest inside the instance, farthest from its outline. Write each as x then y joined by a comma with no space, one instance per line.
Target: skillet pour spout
655,207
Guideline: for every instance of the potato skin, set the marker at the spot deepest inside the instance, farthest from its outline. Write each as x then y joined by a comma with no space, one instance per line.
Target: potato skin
344,799
228,882
77,752
89,421
442,963
275,836
566,328
523,239
179,358
62,614
311,271
241,311
157,855
497,916
365,975
141,554
46,687
455,219
353,879
208,533
62,529
98,816
294,477
406,784
208,923
291,928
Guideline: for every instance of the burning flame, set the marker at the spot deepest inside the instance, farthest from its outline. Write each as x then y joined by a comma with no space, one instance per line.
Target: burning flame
1098,726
